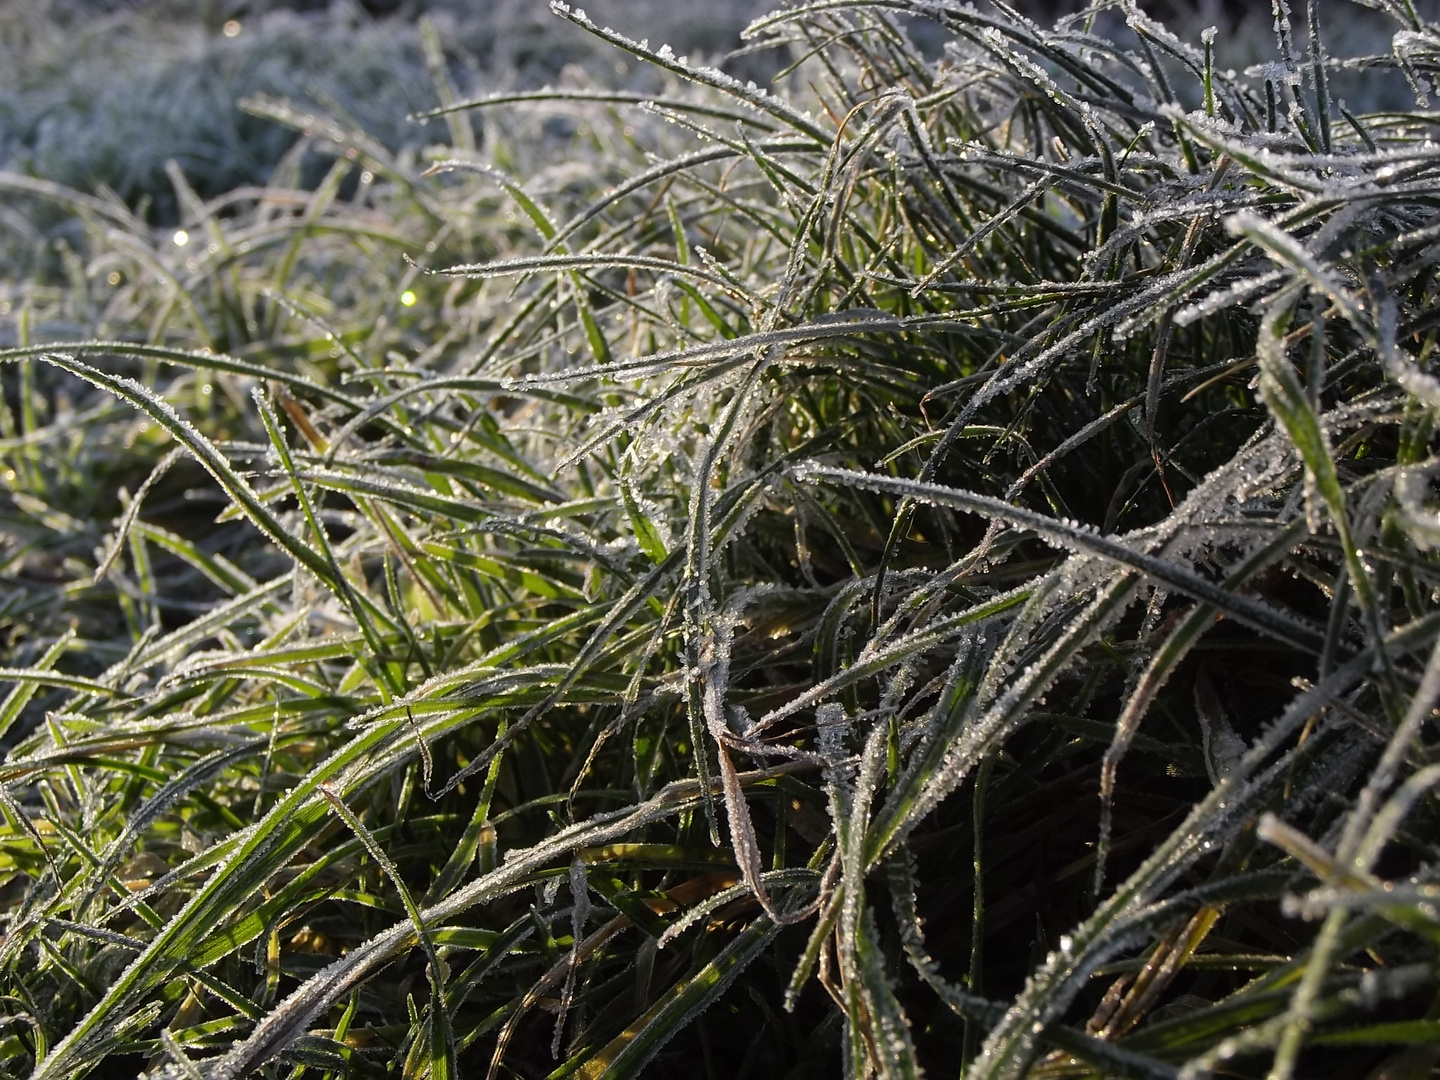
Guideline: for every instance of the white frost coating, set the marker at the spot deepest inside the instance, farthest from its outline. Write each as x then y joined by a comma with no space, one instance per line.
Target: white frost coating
832,726
1274,71
1282,21
1411,489
1232,296
1410,41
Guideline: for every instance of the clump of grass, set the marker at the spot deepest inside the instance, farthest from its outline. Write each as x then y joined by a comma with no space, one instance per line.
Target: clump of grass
928,561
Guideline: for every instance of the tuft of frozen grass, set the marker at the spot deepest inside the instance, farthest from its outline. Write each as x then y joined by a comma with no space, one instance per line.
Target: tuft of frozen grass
928,561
